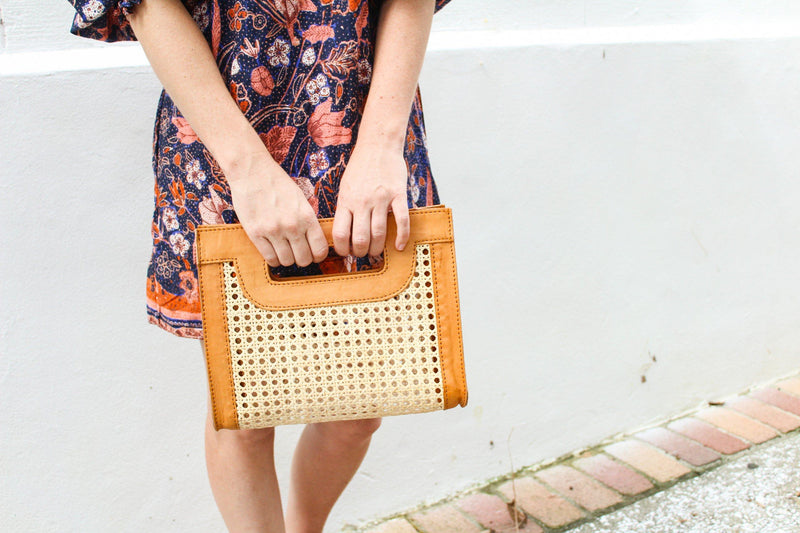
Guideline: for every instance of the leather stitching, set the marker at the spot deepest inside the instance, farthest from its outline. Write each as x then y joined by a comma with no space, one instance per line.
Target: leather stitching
329,277
228,344
326,303
460,343
441,355
204,307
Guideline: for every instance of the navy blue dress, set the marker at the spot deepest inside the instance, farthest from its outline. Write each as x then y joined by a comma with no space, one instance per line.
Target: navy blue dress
300,71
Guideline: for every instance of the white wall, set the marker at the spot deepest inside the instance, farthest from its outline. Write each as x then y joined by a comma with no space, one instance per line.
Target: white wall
624,185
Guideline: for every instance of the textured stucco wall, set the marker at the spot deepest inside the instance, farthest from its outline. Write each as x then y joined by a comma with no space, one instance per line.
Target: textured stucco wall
624,186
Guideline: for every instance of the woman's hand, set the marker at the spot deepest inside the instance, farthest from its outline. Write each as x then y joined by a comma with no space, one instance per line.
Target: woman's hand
275,213
374,183
271,208
375,180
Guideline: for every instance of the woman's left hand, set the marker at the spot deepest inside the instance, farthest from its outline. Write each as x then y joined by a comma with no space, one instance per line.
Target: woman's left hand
373,184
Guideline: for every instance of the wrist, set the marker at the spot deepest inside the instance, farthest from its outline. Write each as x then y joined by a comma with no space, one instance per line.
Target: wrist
248,164
242,156
235,141
387,135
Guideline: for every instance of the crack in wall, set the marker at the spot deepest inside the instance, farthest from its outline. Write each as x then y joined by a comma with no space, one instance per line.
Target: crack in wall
2,30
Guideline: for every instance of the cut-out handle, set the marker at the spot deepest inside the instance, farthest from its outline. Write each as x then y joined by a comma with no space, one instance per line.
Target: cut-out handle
229,243
332,257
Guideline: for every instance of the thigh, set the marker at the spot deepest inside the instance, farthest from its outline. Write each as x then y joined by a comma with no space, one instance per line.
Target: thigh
349,429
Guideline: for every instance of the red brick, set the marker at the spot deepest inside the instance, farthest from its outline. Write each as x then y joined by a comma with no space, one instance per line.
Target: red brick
708,435
790,385
529,526
398,525
493,513
779,399
578,487
680,447
780,420
613,474
739,425
445,519
647,459
548,507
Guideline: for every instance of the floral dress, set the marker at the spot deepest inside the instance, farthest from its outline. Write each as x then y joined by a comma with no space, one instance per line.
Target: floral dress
300,71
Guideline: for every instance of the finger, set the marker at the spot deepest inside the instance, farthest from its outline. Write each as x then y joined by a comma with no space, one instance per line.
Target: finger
379,215
267,251
361,230
317,242
301,250
284,251
340,231
402,220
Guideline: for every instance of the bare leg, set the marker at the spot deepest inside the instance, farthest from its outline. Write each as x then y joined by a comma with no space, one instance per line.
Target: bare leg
241,470
325,460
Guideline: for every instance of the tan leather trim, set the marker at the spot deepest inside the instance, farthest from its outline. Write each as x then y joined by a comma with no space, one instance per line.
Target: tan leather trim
229,242
215,347
449,325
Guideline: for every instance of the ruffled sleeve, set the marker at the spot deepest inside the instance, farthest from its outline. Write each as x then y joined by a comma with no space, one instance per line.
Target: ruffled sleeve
440,4
103,20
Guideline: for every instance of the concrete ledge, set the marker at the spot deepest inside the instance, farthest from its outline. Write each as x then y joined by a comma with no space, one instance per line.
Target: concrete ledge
131,55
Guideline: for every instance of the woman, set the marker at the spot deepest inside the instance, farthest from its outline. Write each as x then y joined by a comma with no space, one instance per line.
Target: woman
276,113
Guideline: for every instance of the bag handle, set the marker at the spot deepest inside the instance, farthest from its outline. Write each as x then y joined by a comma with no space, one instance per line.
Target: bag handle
221,243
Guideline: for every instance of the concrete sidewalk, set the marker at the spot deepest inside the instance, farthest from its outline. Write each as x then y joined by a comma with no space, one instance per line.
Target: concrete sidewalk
733,466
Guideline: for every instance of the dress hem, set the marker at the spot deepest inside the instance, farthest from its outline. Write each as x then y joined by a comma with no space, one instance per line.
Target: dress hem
189,333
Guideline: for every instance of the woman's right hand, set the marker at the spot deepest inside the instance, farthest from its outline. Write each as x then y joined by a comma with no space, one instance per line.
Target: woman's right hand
275,213
271,208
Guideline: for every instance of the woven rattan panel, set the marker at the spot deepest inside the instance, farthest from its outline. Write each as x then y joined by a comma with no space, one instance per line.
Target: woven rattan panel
335,362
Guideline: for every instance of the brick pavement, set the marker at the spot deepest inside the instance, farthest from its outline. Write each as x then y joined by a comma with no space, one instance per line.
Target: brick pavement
555,496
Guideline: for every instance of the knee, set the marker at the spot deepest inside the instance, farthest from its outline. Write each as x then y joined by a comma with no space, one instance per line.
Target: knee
367,426
258,436
249,438
351,430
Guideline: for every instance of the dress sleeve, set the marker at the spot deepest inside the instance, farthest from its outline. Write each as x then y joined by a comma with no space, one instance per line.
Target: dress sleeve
440,4
103,20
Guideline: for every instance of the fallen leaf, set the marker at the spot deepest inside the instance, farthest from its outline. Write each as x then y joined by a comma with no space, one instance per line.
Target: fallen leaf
517,516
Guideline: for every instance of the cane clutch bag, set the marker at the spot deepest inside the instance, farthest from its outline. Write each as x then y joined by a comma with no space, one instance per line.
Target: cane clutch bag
351,345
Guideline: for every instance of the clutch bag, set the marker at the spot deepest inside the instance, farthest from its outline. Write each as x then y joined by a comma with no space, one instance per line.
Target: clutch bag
326,347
